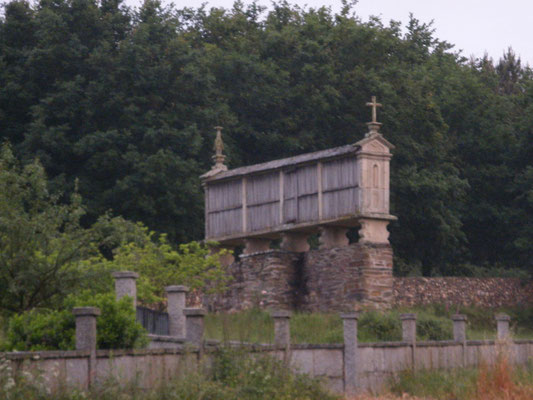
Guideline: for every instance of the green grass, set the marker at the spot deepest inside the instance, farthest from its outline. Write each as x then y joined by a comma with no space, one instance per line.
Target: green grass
433,323
495,382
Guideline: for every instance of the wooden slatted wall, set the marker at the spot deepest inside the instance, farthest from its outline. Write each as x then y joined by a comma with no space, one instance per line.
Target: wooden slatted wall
224,215
339,188
293,195
262,201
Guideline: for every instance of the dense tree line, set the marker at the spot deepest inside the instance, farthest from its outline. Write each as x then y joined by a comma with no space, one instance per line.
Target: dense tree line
125,101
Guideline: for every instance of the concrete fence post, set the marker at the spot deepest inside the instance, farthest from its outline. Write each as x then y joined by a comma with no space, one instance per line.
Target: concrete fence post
194,325
176,301
86,336
349,323
126,285
282,328
408,327
86,327
502,323
409,334
459,327
459,333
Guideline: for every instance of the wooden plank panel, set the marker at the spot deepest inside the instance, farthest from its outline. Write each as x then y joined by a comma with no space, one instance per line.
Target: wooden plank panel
263,216
338,174
340,202
223,223
308,208
224,195
290,192
262,189
307,180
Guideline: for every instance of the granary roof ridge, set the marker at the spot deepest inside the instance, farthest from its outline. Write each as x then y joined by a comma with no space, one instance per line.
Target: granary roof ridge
286,162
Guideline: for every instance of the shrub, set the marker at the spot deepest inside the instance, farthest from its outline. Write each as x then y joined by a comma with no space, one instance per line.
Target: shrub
375,326
41,330
52,330
433,328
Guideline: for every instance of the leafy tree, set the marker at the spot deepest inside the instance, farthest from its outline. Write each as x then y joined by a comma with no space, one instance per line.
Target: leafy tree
42,245
159,265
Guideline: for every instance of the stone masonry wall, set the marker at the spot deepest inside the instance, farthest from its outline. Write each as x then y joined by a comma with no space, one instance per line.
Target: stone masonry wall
482,292
341,279
326,280
265,279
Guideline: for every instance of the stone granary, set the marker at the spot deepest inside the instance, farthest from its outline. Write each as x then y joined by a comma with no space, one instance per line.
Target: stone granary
327,193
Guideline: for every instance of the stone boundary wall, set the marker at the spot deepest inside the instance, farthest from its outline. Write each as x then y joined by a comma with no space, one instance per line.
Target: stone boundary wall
377,362
453,291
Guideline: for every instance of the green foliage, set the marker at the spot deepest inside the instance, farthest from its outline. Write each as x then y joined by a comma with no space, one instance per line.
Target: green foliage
42,244
117,327
376,326
52,330
39,330
160,265
125,100
436,384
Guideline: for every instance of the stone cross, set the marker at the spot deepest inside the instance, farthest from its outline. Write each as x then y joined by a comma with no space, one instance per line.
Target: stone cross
374,125
374,106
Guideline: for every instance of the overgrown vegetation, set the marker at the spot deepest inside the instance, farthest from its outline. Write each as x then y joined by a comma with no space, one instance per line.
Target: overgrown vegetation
50,263
116,327
233,376
433,323
494,382
126,100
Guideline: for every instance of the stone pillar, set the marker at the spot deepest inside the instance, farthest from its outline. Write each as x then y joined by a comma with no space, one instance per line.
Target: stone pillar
408,327
333,236
86,327
126,285
194,325
282,328
176,297
409,334
256,245
502,321
459,327
373,230
295,241
349,322
375,276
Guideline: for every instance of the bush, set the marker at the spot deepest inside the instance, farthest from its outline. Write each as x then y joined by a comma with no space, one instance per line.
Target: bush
41,330
117,327
433,328
375,326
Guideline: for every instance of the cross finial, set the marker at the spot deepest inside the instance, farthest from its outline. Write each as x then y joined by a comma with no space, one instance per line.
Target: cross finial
374,125
219,158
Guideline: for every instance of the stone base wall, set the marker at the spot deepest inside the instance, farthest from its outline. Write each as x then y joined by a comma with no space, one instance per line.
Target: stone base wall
325,280
266,279
453,291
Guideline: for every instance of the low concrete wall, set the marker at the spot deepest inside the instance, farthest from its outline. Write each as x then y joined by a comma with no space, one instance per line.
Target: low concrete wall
377,362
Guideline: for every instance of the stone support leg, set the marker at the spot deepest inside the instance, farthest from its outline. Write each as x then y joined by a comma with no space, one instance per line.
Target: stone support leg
333,236
256,245
295,241
373,231
375,274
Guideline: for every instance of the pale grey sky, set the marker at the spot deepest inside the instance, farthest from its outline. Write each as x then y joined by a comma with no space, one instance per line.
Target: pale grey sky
475,26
